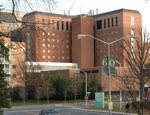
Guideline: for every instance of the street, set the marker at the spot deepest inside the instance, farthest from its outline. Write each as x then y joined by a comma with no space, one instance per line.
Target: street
62,109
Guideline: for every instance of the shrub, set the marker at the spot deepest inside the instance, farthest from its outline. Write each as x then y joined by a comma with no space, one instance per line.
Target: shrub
140,104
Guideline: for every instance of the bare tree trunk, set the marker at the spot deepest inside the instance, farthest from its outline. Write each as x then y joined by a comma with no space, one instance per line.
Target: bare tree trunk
48,98
65,94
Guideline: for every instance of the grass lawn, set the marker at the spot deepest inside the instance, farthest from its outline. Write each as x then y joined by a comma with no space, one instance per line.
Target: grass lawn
44,102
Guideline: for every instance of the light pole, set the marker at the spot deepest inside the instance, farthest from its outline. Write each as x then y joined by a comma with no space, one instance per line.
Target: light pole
79,36
120,85
85,83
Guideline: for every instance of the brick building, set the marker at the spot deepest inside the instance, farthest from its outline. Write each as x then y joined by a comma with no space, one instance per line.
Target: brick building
53,38
10,31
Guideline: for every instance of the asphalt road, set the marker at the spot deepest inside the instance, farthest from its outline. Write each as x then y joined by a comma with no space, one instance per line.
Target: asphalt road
63,110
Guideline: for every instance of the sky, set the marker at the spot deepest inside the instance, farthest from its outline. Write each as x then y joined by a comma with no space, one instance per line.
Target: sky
83,6
77,7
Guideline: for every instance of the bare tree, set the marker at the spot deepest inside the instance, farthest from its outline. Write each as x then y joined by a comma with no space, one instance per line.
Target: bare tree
47,86
137,73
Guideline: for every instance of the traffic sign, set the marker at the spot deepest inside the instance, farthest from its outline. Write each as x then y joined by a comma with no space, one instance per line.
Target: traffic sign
110,106
86,98
105,65
88,93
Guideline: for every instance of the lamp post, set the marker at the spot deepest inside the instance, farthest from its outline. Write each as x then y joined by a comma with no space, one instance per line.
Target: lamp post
120,86
85,83
79,36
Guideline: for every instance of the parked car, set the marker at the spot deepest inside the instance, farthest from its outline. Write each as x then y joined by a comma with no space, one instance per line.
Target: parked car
48,112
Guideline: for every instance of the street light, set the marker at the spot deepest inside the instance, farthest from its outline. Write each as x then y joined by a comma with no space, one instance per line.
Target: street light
85,83
79,36
120,85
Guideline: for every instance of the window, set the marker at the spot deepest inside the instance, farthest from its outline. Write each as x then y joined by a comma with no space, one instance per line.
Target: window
53,34
43,51
70,26
53,57
14,75
132,20
48,23
48,33
23,58
63,57
48,45
43,45
53,24
48,57
43,21
14,57
14,66
48,51
95,71
108,22
99,24
116,21
14,47
57,25
67,26
22,75
112,22
62,25
104,23
43,57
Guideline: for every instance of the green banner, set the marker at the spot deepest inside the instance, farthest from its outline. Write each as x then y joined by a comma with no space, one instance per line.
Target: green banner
99,100
105,65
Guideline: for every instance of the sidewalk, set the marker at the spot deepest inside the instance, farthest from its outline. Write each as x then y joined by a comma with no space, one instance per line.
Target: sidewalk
120,113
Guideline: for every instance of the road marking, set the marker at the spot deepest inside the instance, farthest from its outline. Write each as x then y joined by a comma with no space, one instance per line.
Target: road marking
31,112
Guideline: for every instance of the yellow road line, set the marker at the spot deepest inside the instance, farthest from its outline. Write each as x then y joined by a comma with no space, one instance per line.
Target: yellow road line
31,112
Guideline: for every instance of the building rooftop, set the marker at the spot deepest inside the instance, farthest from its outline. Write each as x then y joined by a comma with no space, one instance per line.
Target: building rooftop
49,14
116,11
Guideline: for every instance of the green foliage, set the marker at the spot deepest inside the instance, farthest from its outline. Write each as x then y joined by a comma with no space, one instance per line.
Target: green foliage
94,86
61,84
4,78
15,93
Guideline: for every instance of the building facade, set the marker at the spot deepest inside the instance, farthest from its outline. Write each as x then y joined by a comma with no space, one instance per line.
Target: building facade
53,38
10,30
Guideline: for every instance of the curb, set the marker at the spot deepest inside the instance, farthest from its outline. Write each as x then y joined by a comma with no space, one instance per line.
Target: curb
120,113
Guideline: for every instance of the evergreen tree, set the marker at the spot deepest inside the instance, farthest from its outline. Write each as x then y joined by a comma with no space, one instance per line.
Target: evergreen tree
4,85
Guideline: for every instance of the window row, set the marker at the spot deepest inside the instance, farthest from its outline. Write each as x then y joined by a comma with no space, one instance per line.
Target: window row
107,33
58,40
53,34
53,45
53,51
14,57
54,57
112,50
60,25
107,23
